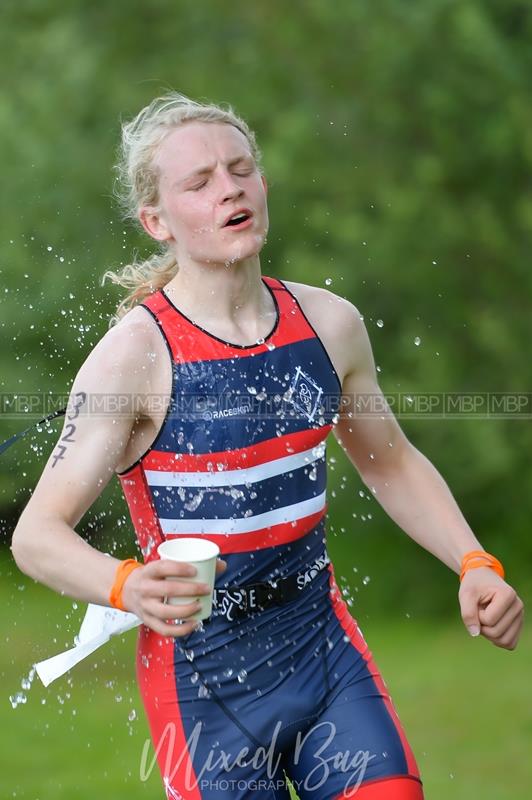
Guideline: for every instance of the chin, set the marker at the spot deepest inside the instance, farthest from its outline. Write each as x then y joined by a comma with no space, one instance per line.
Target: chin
246,248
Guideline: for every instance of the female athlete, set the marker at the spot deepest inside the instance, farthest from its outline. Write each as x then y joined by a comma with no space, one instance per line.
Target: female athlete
229,382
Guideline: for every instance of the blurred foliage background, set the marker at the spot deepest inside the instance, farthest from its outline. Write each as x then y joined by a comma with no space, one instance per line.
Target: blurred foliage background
397,142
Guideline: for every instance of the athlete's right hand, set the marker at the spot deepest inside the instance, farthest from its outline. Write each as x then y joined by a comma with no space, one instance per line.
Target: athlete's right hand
147,587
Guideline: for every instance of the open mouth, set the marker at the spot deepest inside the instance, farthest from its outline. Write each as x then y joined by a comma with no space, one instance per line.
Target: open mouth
237,220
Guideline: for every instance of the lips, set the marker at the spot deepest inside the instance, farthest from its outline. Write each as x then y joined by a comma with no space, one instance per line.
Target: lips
240,211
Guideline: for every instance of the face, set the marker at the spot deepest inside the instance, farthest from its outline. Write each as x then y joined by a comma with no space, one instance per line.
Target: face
207,174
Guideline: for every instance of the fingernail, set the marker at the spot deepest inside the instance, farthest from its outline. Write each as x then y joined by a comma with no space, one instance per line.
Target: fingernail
474,630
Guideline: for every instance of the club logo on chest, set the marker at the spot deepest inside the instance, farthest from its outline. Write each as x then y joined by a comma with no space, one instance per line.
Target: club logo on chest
304,394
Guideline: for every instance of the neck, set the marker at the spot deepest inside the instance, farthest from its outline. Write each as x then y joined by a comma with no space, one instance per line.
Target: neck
233,292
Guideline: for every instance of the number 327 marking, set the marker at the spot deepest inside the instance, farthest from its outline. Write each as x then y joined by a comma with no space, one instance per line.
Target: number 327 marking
70,428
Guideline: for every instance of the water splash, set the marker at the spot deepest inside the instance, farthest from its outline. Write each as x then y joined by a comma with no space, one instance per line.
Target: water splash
17,699
20,697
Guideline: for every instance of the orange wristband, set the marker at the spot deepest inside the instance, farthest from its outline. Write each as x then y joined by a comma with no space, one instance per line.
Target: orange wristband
479,558
124,569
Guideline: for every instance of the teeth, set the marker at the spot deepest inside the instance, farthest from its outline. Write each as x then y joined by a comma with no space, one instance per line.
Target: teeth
238,216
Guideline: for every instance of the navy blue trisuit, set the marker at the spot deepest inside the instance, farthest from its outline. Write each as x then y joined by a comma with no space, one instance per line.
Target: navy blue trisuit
290,689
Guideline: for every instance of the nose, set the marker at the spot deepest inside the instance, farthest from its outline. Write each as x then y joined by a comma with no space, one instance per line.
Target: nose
229,188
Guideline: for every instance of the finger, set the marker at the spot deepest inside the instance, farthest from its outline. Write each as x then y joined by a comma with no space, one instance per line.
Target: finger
172,630
510,638
502,601
171,611
221,565
469,612
491,612
164,567
498,630
174,588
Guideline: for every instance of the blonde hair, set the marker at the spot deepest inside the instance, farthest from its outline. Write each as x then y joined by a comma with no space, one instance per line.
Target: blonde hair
138,182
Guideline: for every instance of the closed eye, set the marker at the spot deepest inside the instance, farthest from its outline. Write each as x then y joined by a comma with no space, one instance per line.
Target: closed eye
240,174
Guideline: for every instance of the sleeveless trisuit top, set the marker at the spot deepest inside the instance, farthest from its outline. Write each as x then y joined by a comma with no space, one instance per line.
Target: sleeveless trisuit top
240,458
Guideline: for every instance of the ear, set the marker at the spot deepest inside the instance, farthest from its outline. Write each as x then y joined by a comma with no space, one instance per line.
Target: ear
263,179
153,223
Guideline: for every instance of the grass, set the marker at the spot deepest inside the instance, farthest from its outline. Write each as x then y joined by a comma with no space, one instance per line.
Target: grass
465,704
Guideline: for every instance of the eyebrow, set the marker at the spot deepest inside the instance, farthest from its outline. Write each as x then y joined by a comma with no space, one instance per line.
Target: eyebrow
206,169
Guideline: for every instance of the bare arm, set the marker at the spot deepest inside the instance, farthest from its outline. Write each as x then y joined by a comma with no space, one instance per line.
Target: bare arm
412,491
45,544
403,480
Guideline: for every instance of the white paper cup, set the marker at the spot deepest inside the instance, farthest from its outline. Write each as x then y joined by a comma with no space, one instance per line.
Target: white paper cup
202,554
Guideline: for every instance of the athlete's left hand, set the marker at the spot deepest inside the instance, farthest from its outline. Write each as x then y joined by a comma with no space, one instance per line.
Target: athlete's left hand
491,606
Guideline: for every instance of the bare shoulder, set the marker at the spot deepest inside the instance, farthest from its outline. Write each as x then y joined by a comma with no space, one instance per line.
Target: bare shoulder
125,352
336,320
136,325
99,420
337,312
134,359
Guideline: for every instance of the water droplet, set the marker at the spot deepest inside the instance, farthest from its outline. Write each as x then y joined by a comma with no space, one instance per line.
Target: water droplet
380,323
328,281
194,502
17,699
319,451
242,676
417,341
